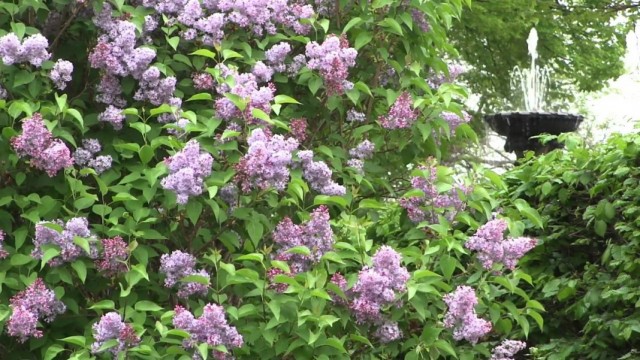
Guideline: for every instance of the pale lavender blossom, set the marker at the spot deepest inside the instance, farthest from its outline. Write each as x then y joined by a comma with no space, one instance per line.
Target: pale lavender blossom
454,120
262,71
112,115
363,151
61,73
318,175
356,116
462,317
115,253
388,332
3,252
154,89
267,161
101,163
492,247
507,349
187,170
276,56
111,327
34,303
453,72
69,250
332,59
179,265
32,50
401,115
211,327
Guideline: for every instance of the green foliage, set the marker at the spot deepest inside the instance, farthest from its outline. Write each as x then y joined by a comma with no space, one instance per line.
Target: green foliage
586,268
233,241
582,41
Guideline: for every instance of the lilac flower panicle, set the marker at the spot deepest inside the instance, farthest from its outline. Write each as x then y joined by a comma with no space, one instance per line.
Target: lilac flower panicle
388,332
454,70
315,234
32,50
318,174
115,253
299,129
187,170
101,163
179,265
340,281
492,247
363,151
420,20
245,85
211,327
3,93
273,285
69,251
262,71
30,305
3,252
332,59
61,73
37,142
462,317
91,145
454,120
111,327
507,349
112,115
202,81
355,116
401,115
267,161
276,56
378,285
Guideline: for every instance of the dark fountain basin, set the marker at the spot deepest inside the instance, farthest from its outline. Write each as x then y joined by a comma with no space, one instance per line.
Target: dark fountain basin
519,127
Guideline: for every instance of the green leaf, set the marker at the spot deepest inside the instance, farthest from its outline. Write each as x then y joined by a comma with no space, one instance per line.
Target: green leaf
448,265
23,77
124,197
49,254
81,269
53,351
205,53
103,304
362,39
145,305
76,115
194,209
83,243
200,96
446,347
353,22
252,257
75,340
196,279
302,250
392,25
146,154
255,230
284,99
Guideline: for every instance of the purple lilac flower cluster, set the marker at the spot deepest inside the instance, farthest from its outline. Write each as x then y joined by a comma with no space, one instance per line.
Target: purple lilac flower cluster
30,305
273,285
454,71
155,90
377,286
36,141
246,87
315,234
454,120
299,129
420,20
118,56
492,247
356,116
332,59
318,174
3,252
401,115
507,349
113,259
179,265
451,202
85,156
111,327
276,56
187,170
266,163
462,317
211,327
69,251
202,81
359,154
61,73
33,49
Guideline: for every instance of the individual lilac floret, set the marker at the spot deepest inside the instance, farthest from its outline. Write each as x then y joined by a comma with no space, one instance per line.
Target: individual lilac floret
113,259
318,174
69,250
211,327
34,303
179,265
401,115
187,170
332,59
454,120
492,247
32,50
355,116
316,235
462,317
3,252
507,349
377,285
267,161
111,327
388,332
36,141
61,73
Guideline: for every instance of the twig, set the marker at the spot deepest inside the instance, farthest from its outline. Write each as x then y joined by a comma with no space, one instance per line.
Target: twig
66,25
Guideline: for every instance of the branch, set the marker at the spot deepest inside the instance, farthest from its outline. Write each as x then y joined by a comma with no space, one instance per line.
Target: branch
66,25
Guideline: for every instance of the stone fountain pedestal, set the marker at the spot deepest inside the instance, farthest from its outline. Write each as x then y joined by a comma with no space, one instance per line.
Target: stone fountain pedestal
519,127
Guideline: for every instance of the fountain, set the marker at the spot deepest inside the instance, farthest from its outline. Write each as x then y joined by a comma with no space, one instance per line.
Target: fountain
519,127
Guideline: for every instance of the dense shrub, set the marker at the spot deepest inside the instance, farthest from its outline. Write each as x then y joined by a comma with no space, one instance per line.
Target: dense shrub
258,178
587,265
